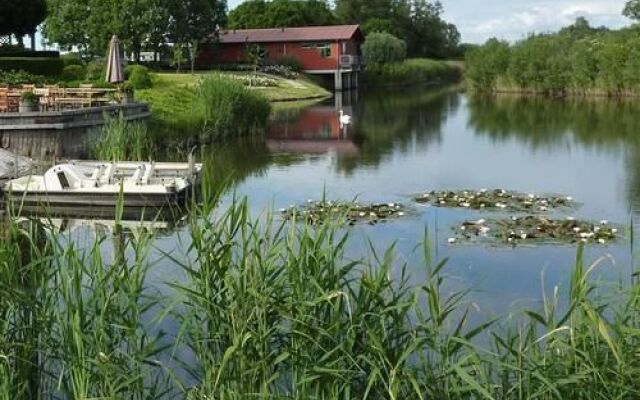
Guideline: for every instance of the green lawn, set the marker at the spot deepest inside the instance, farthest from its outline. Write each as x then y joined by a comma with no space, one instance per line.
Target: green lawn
174,99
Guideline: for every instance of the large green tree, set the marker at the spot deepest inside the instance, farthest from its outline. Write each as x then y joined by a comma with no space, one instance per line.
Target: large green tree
20,18
281,13
418,22
632,9
89,24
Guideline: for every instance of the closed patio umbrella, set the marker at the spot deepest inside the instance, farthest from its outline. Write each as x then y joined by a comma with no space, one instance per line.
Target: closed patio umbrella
114,62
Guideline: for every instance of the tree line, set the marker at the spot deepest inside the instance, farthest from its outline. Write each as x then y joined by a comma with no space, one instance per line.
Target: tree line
578,59
418,22
87,25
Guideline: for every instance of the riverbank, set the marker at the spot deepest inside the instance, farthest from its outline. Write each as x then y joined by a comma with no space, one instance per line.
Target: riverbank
576,61
176,105
412,71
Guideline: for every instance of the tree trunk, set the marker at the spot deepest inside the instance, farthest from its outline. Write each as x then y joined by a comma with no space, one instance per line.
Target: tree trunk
33,40
19,40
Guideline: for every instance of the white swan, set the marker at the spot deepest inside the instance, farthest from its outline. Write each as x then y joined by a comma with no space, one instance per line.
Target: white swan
344,119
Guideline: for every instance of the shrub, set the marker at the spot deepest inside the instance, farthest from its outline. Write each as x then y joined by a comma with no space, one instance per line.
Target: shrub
232,109
411,71
19,51
291,62
138,76
280,70
73,73
20,77
71,59
96,70
36,66
383,48
29,97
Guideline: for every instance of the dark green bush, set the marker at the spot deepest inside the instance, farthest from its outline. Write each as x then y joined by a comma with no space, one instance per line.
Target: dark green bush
73,73
19,51
36,66
71,59
20,77
383,48
138,76
231,109
96,70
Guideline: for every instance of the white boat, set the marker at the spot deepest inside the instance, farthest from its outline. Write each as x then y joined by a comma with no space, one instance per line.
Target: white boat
99,183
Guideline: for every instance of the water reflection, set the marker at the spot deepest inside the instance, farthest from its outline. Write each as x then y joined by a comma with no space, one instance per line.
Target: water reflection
314,130
602,125
542,123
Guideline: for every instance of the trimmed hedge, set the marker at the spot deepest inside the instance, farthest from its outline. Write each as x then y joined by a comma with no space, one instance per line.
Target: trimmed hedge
36,66
28,53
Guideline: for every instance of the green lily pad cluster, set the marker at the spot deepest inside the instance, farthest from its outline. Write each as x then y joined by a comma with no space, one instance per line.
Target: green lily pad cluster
497,199
315,212
535,230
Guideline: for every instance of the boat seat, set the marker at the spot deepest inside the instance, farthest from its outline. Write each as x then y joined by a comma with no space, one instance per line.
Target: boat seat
148,173
138,175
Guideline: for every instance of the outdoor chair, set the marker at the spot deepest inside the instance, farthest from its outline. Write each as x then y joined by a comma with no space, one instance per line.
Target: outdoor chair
4,100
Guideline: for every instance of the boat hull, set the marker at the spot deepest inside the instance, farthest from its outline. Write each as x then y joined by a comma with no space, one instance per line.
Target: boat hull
88,199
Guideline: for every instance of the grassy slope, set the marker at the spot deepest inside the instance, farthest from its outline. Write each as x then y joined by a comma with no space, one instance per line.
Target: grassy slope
174,100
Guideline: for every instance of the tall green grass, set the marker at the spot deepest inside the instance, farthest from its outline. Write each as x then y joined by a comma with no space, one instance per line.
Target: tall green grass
212,106
123,140
231,109
272,310
411,71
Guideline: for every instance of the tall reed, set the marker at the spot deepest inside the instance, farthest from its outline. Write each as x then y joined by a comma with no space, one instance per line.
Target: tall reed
121,140
274,310
231,109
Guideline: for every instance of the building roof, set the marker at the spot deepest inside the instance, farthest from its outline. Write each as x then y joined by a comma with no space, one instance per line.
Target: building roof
300,34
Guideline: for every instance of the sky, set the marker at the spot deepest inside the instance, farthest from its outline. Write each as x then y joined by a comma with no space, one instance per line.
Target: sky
479,20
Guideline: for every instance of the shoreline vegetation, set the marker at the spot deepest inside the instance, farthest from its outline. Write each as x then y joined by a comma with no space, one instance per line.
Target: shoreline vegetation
271,309
412,71
179,102
579,60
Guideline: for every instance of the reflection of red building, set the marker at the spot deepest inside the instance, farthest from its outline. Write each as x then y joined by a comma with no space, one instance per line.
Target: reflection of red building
319,49
317,130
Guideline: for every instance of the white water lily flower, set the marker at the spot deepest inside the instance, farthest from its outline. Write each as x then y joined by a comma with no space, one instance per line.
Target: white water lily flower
480,221
602,241
485,229
614,230
523,236
569,198
452,240
400,214
571,219
466,205
576,229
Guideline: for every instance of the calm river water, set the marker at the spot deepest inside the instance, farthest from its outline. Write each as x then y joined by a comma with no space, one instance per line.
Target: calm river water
407,141
404,141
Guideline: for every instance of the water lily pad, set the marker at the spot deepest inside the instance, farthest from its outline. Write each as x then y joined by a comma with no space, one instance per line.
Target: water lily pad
314,212
497,199
535,230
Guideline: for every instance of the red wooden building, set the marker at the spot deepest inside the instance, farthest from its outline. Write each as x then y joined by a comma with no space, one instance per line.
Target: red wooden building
319,49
